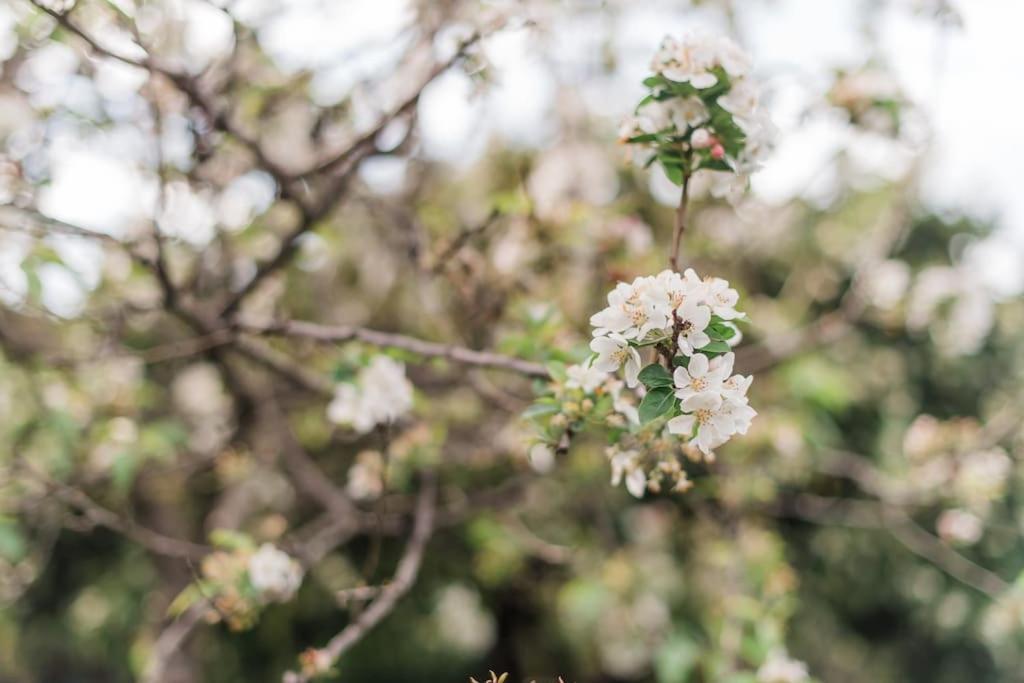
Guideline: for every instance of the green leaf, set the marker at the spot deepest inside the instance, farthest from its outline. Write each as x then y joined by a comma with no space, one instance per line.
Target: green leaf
720,331
674,172
715,347
681,362
231,540
656,403
557,371
643,137
646,100
654,376
539,409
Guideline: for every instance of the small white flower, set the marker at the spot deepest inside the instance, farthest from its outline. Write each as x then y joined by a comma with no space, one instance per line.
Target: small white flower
693,319
780,668
735,387
347,409
542,458
722,299
689,61
702,138
705,412
621,403
960,526
728,186
687,112
676,289
613,351
585,376
626,466
366,476
741,101
699,377
740,413
274,574
379,394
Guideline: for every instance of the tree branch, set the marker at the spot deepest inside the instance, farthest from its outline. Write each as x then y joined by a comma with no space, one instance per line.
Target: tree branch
405,576
347,161
680,223
344,333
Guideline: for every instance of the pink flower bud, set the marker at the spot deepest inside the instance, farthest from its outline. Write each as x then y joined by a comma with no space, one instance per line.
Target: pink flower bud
717,152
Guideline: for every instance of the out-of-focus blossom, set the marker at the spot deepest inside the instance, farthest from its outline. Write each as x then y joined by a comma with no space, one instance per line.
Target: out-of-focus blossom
274,574
781,668
379,394
959,526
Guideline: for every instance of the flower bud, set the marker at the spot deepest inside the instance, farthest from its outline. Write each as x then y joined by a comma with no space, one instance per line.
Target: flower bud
702,138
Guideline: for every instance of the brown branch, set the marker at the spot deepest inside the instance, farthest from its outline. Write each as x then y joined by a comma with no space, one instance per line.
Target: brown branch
345,333
147,538
867,514
403,580
348,162
170,641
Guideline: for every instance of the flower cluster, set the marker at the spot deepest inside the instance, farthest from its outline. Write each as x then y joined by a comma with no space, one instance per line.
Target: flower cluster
689,392
690,323
239,580
871,98
378,393
702,112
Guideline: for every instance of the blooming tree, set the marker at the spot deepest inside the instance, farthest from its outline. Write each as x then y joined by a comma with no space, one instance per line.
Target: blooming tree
327,389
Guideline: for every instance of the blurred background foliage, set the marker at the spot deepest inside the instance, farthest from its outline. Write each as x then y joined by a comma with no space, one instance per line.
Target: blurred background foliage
867,524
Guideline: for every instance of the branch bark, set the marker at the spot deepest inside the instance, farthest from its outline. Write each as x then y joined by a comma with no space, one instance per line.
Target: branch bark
345,333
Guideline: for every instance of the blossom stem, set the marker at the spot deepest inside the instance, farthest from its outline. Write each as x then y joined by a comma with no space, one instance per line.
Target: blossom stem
680,223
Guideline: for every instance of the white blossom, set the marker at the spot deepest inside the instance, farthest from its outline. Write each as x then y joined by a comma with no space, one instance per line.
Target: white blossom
959,526
722,299
708,413
366,476
692,320
379,394
626,466
741,101
613,351
274,574
781,668
699,377
692,59
585,376
542,458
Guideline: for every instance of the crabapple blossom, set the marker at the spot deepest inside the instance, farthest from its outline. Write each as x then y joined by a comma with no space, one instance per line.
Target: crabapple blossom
613,351
779,667
379,394
707,414
626,467
274,574
703,113
699,377
585,376
693,319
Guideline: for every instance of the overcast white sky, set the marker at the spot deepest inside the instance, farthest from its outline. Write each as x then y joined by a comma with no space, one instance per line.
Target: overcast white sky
967,80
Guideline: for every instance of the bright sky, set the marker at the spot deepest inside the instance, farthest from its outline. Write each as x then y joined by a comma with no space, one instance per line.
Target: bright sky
966,80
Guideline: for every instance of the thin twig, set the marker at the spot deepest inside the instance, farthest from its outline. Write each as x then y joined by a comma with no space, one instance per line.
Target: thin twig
170,641
403,580
680,223
348,162
97,514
